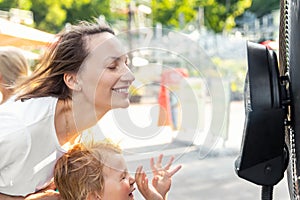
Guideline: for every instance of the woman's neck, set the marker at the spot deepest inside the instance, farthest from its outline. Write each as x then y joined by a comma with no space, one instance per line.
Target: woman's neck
71,120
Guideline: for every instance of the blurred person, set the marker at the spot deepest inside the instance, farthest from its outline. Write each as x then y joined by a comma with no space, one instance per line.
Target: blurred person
83,75
174,104
13,66
99,171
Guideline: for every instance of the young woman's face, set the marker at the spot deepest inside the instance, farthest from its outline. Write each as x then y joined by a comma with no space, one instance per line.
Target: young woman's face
118,184
105,77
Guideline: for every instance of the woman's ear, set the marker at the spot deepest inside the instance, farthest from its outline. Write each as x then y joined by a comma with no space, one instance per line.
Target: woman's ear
72,81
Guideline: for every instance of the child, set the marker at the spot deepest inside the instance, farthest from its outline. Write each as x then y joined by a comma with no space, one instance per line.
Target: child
99,171
14,67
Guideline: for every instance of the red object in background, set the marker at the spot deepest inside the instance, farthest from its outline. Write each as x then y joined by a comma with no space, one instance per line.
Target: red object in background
270,44
164,118
170,78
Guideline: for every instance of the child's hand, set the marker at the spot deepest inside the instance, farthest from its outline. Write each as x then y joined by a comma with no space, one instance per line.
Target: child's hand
47,193
141,180
162,176
161,182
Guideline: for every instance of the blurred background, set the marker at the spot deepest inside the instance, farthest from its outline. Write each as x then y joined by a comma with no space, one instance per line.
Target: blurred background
189,59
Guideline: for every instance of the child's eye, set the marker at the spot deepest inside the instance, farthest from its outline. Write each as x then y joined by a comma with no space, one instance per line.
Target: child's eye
123,178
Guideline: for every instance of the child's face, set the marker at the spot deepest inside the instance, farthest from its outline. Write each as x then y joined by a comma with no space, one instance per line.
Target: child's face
118,184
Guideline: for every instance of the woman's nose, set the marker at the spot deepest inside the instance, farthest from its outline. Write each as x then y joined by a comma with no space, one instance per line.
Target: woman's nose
128,76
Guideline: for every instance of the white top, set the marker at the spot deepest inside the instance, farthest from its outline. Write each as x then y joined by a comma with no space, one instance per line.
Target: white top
29,146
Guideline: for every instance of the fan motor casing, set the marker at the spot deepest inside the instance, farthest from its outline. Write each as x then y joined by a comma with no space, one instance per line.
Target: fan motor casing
262,158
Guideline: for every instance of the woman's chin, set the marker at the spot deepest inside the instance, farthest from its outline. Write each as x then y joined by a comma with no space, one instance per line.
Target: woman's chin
123,104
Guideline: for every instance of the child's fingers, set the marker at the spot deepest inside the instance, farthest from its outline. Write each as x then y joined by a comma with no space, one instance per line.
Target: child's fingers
141,177
159,160
145,181
158,165
176,169
155,181
168,165
138,171
152,165
142,181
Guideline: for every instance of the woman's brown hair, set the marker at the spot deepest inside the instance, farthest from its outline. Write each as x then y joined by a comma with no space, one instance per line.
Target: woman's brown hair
65,55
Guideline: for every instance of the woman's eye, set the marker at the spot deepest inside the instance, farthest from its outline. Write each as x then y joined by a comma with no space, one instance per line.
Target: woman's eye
112,66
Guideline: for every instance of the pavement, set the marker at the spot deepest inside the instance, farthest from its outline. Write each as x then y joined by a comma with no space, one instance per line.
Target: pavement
206,173
209,178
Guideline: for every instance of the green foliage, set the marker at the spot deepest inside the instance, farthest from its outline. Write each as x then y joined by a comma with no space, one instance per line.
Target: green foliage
88,10
51,16
262,7
173,13
233,70
7,4
219,15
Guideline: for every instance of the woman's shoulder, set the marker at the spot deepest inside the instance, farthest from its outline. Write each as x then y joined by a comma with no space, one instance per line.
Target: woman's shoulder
41,102
12,101
33,102
28,111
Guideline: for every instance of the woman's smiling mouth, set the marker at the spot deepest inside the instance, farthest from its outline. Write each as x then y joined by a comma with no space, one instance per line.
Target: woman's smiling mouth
121,90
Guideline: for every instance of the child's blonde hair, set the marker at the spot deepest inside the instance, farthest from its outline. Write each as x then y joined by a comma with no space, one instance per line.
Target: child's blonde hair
79,173
13,65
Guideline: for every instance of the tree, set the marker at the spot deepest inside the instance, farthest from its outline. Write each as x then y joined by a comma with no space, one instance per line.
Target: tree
7,4
87,10
262,7
48,15
219,15
51,16
173,13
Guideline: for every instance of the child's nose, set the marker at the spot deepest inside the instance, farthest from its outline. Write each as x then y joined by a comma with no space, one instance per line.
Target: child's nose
131,180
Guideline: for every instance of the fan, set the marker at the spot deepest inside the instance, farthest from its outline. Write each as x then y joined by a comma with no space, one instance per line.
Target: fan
263,157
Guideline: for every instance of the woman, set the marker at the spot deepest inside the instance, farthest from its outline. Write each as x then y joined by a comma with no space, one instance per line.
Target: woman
84,75
13,66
